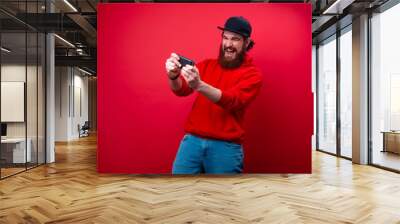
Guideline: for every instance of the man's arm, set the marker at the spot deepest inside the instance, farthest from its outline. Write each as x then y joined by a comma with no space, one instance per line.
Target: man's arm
175,84
209,91
192,78
180,87
232,99
176,81
240,96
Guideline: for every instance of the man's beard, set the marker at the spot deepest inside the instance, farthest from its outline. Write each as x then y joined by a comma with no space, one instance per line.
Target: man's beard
231,64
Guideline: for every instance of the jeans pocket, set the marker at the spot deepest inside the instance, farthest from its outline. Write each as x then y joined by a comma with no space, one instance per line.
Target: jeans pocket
235,146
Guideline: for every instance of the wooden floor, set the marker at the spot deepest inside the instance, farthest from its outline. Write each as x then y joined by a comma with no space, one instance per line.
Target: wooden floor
5,172
71,191
387,159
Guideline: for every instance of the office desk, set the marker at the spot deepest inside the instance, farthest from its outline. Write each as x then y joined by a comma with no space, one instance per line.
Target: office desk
391,141
13,150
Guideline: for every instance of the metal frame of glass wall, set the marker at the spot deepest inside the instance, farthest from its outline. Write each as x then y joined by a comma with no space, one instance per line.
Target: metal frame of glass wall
337,35
35,58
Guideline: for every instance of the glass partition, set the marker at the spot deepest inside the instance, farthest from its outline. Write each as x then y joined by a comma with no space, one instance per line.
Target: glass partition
346,93
327,95
385,88
14,153
22,78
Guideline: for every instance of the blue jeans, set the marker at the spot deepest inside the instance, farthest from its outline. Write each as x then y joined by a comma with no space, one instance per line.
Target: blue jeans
199,155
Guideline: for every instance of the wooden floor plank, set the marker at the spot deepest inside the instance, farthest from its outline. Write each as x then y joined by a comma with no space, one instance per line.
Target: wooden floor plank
71,191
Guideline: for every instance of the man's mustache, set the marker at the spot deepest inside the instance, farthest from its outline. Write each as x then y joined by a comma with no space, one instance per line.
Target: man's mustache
229,48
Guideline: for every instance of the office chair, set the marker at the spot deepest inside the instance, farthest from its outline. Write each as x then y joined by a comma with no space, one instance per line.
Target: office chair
84,130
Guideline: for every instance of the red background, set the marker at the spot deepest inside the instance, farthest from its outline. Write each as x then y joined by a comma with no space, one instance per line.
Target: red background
140,121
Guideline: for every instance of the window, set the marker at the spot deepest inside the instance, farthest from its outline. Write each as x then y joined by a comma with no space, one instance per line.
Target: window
385,88
346,93
327,95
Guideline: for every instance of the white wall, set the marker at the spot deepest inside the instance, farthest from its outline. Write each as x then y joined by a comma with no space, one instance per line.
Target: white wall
62,81
71,93
12,73
33,127
80,102
314,86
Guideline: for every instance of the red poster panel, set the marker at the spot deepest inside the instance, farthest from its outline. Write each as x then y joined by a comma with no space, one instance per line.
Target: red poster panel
140,121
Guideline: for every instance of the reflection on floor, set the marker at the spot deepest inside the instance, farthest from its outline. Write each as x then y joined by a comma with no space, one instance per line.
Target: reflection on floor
11,169
386,159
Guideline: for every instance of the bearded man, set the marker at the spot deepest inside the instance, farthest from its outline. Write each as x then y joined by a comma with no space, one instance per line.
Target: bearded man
225,86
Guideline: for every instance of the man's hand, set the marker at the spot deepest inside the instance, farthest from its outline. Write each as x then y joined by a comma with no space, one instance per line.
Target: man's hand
172,66
192,76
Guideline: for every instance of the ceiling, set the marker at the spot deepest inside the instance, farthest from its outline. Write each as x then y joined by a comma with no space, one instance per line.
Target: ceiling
76,22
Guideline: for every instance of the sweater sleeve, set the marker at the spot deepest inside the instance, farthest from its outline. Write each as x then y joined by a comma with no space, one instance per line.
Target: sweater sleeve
240,96
185,90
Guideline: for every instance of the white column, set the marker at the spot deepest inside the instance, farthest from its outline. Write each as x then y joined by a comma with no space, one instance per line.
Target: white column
50,92
360,89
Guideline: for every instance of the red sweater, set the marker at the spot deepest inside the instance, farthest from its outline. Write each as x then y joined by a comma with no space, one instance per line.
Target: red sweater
224,119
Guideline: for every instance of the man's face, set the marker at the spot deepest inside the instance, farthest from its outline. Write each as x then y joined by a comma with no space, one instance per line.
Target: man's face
232,45
232,50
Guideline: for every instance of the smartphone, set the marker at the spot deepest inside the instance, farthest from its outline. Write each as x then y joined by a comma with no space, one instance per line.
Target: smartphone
185,61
